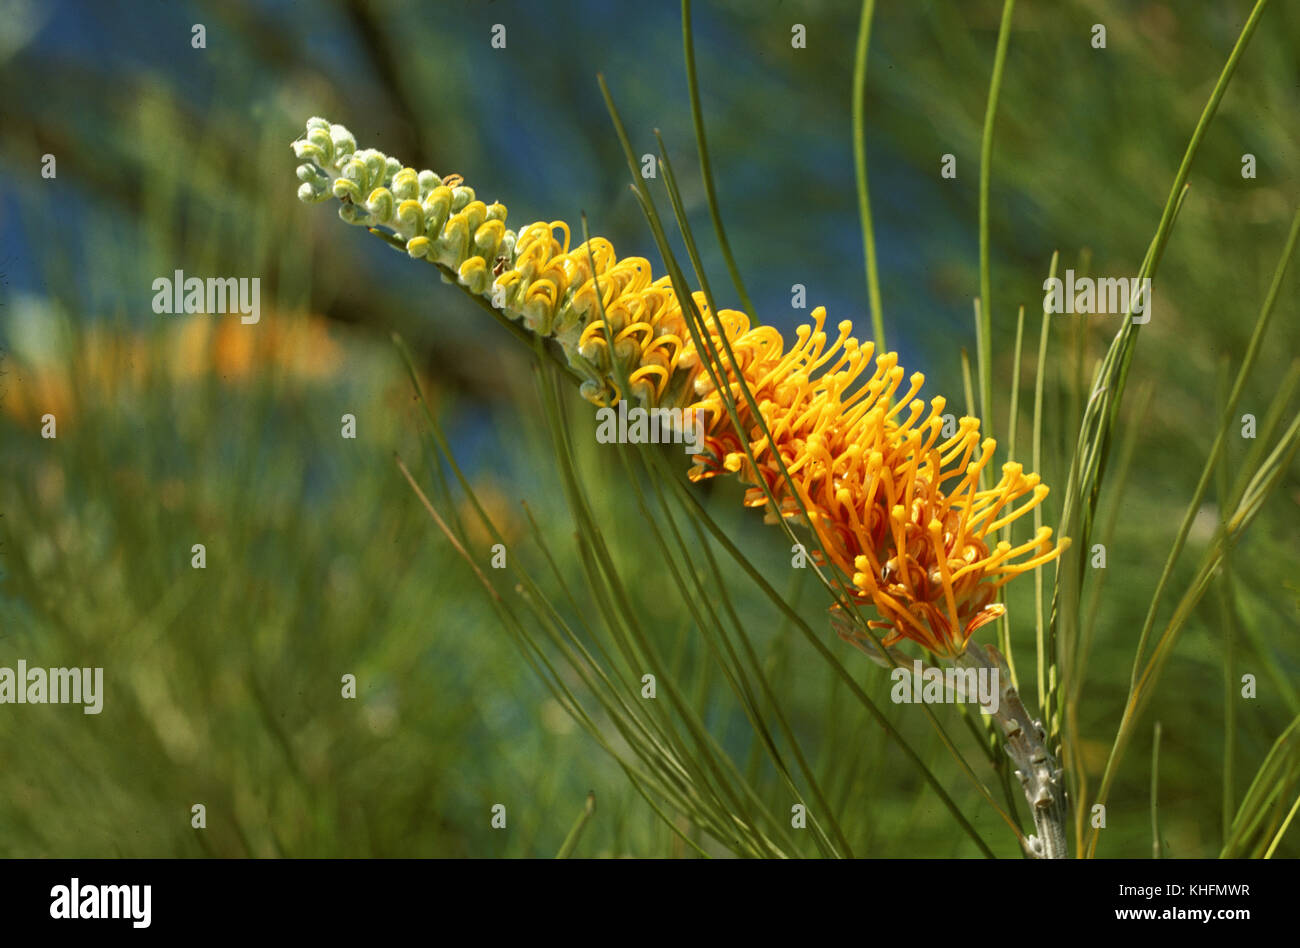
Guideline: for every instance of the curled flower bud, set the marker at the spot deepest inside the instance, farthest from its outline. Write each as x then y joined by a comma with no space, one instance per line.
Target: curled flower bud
406,184
428,181
475,275
380,205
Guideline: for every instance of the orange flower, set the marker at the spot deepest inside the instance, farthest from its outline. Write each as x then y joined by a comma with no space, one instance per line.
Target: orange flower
897,508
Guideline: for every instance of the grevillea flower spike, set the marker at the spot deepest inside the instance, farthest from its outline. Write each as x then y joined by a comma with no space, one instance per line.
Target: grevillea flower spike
897,506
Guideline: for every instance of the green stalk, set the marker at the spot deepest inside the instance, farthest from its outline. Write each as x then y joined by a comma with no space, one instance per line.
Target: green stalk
985,340
1155,783
1040,375
860,168
571,841
706,166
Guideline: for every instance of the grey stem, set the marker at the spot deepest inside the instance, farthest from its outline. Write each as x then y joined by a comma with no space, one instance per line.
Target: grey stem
1039,772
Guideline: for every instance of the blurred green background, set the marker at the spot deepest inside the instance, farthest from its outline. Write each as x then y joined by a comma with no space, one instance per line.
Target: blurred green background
223,684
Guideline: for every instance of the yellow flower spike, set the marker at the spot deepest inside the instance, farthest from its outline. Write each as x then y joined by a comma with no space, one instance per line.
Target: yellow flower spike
896,504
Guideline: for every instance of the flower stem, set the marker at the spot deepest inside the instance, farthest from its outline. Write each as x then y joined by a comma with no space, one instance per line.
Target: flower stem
1040,775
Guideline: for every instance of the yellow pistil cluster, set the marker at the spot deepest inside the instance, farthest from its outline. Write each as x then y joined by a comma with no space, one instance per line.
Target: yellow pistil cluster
897,506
